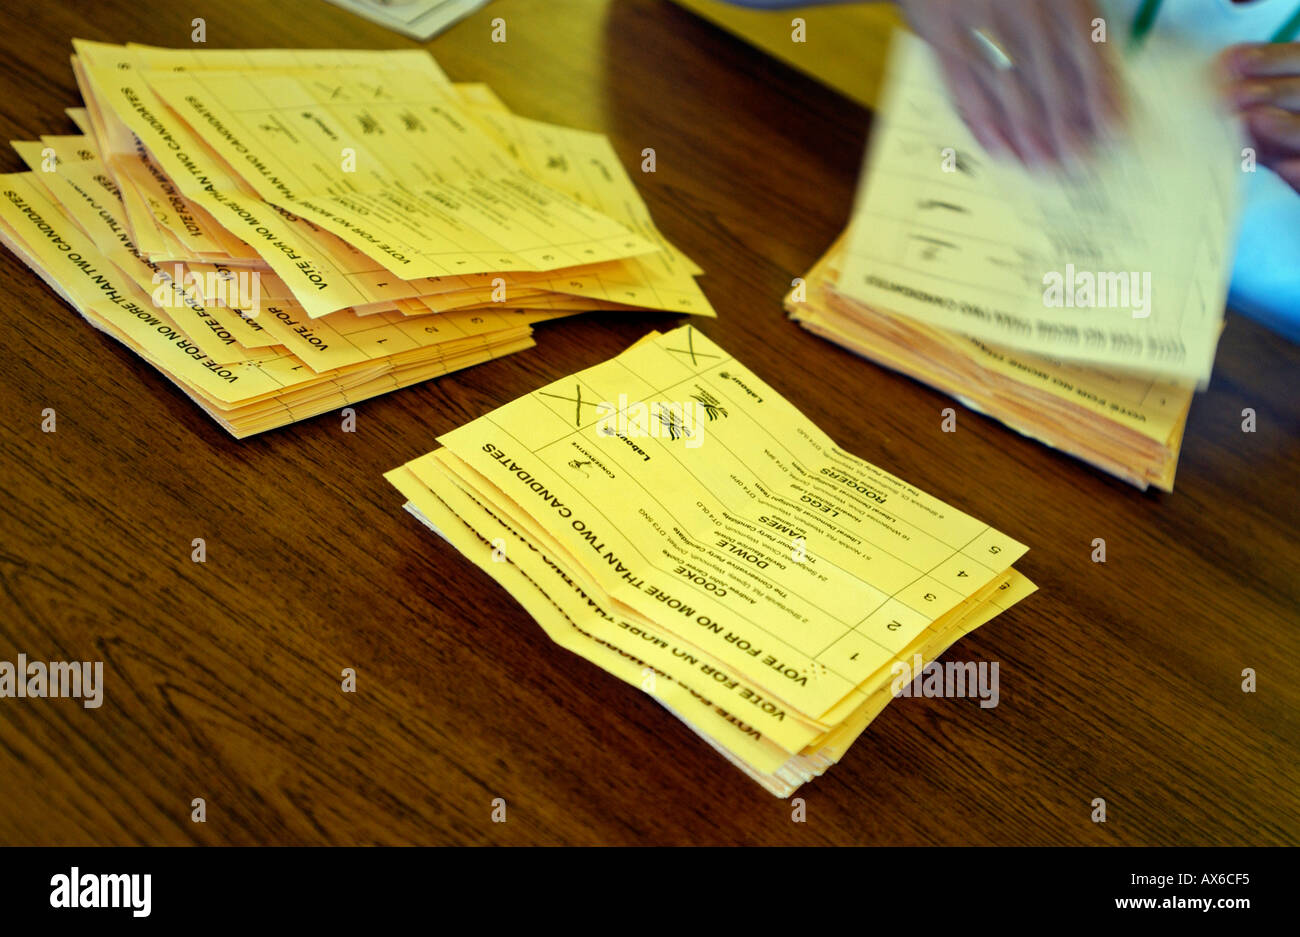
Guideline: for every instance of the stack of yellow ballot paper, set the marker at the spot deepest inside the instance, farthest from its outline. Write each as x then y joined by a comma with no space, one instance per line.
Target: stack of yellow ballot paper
1081,308
669,517
284,232
1126,424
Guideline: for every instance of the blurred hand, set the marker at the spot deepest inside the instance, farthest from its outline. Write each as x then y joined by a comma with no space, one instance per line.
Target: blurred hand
1056,95
1263,83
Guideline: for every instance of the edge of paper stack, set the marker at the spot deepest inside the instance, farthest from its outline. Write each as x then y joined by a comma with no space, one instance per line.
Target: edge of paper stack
761,583
1127,425
281,232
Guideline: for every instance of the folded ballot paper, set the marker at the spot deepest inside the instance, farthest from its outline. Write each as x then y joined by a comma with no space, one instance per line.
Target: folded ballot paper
285,232
1081,308
669,517
419,19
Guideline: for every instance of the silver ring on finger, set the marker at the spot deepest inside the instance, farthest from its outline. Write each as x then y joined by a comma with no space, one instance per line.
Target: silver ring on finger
992,50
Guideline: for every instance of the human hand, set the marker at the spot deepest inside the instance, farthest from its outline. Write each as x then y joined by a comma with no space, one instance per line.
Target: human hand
1025,75
1263,83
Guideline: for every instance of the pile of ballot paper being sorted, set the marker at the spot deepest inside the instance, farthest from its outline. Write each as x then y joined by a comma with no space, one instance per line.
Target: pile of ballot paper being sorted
1082,308
671,518
284,232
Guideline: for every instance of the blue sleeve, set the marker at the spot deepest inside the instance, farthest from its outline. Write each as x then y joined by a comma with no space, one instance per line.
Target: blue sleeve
1266,277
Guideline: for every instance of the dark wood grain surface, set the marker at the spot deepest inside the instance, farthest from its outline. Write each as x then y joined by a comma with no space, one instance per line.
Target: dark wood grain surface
1120,681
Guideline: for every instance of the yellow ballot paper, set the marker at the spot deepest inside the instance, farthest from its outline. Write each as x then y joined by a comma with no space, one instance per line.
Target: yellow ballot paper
447,181
1125,423
275,269
394,164
584,166
1121,262
671,517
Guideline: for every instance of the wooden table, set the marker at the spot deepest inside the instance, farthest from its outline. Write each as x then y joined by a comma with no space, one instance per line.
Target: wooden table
1119,680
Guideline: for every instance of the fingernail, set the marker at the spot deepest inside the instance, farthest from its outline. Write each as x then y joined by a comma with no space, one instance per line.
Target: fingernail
1272,118
991,142
1044,152
1244,60
1251,92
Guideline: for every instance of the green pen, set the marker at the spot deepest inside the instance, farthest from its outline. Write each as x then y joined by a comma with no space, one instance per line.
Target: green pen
1288,31
1145,19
